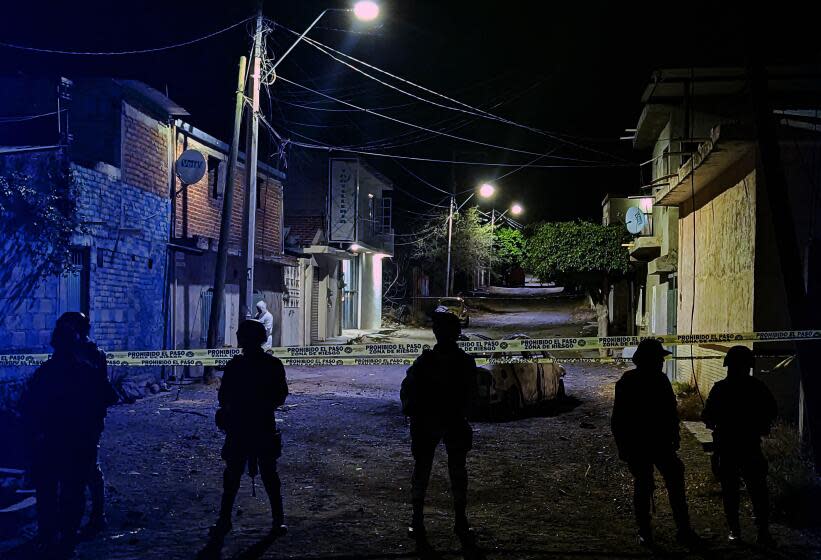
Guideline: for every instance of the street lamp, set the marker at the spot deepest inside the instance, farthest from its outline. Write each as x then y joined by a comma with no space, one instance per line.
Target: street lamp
516,209
365,10
487,190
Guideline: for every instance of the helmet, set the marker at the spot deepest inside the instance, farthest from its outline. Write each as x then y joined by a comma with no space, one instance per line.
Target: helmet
445,323
77,321
251,334
739,357
648,349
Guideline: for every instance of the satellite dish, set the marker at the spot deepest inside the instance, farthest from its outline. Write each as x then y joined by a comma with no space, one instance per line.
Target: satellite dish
635,220
190,167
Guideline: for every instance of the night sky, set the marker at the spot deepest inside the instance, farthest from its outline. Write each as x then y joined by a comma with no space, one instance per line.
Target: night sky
574,69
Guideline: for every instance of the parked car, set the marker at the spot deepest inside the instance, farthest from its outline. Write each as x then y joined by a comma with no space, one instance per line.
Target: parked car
457,306
505,390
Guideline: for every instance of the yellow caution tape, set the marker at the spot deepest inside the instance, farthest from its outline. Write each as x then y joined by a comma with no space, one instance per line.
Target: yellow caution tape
400,353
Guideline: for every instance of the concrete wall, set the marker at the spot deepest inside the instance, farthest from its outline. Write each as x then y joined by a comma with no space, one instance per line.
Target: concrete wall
370,291
717,247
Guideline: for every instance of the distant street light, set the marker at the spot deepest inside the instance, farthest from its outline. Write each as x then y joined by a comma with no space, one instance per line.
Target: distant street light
365,10
516,209
486,190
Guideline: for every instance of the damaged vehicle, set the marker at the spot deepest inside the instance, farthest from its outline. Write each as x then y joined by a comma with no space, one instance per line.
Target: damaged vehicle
506,390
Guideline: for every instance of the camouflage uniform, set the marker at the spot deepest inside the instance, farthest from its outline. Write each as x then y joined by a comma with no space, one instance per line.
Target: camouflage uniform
739,410
253,386
63,410
436,395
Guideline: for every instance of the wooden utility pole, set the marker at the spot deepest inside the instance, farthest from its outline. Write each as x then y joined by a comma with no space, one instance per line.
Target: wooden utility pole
246,289
218,298
450,242
790,261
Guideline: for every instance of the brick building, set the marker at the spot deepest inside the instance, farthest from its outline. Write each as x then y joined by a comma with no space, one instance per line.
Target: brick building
144,255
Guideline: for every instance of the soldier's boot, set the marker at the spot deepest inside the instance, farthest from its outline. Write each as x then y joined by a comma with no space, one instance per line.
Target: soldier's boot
419,486
97,521
230,486
416,529
273,487
459,488
645,534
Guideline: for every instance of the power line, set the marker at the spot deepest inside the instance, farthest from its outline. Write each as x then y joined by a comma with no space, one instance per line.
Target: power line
420,127
23,118
320,46
329,148
420,179
119,53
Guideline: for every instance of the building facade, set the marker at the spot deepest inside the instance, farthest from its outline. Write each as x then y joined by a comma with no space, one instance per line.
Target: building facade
707,179
339,224
145,248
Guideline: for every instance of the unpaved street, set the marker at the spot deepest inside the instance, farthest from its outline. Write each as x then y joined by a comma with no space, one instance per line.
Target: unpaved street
541,487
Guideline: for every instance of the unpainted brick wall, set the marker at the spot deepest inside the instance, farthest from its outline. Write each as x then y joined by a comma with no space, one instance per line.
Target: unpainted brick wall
304,228
198,211
144,151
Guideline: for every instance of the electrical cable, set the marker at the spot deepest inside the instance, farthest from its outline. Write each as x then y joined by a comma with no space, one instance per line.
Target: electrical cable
420,179
437,205
119,53
485,114
329,148
22,118
445,134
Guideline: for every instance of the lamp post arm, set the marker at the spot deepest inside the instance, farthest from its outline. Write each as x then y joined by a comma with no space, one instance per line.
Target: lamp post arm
465,202
319,17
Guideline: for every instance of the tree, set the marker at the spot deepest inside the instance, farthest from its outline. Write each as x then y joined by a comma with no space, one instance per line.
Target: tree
37,221
508,248
471,244
580,253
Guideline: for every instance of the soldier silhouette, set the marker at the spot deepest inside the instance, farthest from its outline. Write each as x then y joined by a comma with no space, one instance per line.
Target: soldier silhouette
436,394
252,388
63,410
645,426
96,482
740,409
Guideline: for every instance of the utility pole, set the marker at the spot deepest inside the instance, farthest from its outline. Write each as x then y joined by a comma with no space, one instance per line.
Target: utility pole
246,290
218,298
492,243
777,194
450,238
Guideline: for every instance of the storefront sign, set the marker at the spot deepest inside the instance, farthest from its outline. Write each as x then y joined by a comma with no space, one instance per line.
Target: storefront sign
344,184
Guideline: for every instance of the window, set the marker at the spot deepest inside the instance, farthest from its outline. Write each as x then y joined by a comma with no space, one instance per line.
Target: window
260,184
387,214
216,177
290,298
373,227
206,297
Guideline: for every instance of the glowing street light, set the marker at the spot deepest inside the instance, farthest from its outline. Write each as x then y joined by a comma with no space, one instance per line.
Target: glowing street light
486,190
516,209
365,10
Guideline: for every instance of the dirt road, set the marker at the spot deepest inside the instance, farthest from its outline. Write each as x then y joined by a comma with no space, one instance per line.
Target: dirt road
542,487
